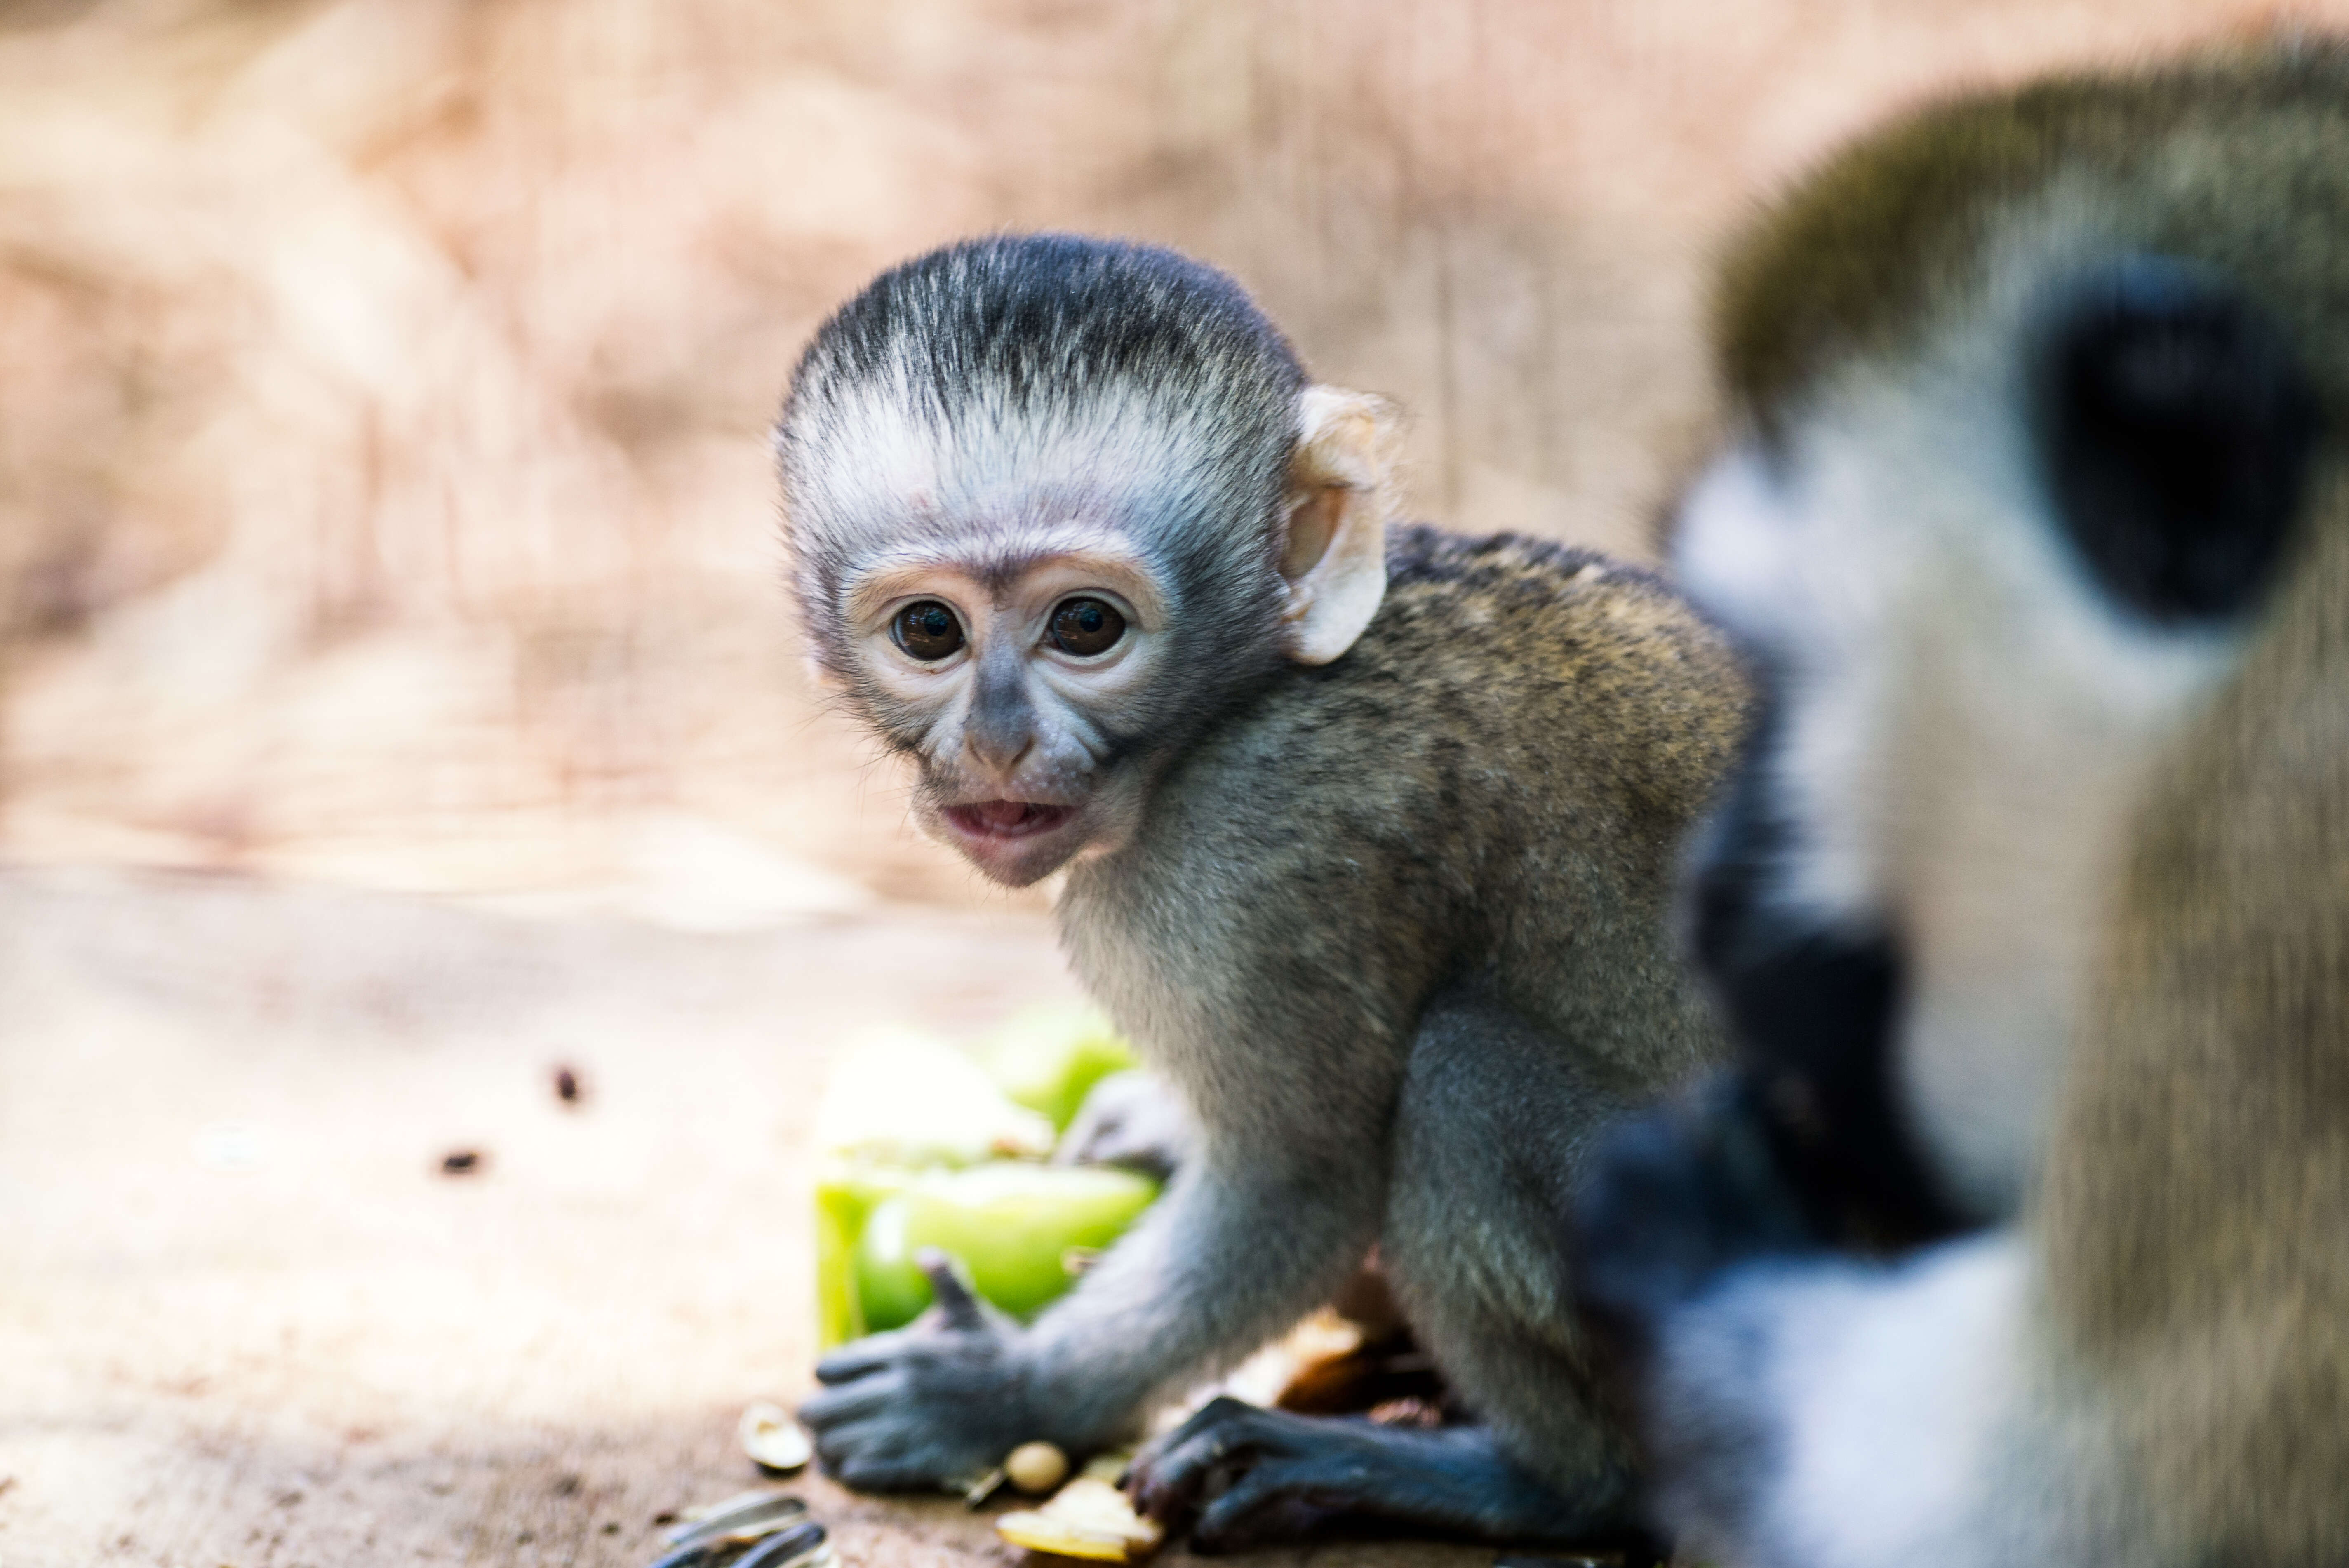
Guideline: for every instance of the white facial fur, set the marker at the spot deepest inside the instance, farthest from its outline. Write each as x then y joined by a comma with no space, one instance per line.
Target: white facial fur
1003,524
1966,721
1006,620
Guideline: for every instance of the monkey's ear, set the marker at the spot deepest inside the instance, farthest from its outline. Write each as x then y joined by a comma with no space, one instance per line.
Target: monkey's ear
1341,486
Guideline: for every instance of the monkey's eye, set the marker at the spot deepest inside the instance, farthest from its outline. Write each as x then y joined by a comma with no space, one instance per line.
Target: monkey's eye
1086,626
927,629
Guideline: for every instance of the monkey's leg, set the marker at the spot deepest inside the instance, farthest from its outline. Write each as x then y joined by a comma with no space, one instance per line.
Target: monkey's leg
1489,1132
1490,1135
1255,1475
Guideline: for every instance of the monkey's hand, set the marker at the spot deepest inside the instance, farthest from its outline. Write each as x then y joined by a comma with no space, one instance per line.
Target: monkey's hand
931,1405
1132,1119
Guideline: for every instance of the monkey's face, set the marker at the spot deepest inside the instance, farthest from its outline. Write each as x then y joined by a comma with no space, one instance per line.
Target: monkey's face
2027,901
1053,505
1986,585
1023,688
1042,641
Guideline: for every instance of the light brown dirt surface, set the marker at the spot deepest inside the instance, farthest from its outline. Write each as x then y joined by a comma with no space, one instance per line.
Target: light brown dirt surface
247,1320
396,701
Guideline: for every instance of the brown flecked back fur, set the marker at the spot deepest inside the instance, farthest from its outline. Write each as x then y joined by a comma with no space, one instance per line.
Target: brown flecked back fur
1518,744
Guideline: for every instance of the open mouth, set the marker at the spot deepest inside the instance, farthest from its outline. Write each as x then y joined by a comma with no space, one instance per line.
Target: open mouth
1007,819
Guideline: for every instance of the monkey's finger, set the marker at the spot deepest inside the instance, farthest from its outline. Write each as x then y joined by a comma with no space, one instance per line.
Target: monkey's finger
862,1358
1233,1520
873,1439
844,1402
886,1474
878,1458
883,1453
959,1307
1222,1412
1167,1479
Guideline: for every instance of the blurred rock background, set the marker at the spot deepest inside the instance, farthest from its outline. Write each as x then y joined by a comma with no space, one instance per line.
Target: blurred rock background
382,382
397,701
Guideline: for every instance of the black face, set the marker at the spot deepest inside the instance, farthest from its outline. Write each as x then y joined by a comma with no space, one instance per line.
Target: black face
1085,627
2176,428
1804,1146
928,630
1816,1013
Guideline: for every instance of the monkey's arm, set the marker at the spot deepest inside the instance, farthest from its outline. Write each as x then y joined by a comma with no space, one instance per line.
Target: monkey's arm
1238,1248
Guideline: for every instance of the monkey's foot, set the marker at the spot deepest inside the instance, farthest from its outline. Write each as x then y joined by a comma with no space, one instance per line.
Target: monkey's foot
1246,1476
1674,1196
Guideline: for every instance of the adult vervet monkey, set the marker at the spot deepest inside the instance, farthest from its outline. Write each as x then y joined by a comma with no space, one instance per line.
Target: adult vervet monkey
2022,1236
1368,833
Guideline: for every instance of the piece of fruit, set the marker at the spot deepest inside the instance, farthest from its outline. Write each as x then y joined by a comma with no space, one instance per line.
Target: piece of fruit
1013,1225
1048,1058
902,1098
901,1107
845,1196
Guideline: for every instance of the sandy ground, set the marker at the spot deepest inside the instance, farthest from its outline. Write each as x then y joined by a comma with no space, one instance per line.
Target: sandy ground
246,1321
386,544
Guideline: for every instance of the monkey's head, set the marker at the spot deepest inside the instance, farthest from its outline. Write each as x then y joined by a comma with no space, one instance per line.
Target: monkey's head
2035,402
1053,503
2031,902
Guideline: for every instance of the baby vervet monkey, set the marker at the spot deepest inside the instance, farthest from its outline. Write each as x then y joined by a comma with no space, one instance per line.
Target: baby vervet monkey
1368,833
2022,1236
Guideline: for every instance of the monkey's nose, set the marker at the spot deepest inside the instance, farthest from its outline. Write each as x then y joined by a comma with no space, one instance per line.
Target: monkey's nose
1000,749
1001,728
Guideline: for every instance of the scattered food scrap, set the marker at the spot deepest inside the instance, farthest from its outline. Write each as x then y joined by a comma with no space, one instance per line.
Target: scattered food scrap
754,1530
775,1442
803,1545
1088,1518
462,1162
742,1508
1036,1468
